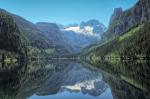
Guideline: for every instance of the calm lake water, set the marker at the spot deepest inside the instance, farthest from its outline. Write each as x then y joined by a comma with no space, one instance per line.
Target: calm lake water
74,80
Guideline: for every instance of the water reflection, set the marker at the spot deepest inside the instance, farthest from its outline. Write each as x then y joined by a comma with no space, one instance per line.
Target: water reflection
53,79
72,80
127,79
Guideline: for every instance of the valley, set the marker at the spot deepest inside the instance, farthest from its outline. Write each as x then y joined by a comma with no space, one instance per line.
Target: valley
86,60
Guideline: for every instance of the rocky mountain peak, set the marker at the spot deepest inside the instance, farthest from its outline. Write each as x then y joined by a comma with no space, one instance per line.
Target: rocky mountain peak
92,23
122,21
117,12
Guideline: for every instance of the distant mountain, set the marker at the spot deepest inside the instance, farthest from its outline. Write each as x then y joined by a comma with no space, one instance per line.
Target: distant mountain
96,26
91,27
83,35
54,34
50,30
72,37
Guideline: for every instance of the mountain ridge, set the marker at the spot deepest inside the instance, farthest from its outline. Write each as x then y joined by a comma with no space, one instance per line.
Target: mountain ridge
73,41
11,39
124,20
130,42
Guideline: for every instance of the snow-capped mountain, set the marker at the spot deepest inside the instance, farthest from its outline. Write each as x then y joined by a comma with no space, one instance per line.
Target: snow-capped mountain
91,27
73,37
84,34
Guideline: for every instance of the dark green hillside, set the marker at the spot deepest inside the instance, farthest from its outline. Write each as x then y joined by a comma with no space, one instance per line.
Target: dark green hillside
132,44
126,78
38,43
11,39
127,36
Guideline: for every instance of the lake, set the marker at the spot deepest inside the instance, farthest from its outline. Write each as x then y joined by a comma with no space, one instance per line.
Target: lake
74,80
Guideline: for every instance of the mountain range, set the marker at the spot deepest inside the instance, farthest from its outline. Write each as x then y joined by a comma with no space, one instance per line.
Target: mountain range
127,32
127,36
73,37
52,40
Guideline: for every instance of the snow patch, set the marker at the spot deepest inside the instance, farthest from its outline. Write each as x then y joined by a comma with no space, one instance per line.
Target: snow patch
87,30
87,84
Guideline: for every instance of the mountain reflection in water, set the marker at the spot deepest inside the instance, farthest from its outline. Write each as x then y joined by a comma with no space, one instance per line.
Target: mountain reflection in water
63,80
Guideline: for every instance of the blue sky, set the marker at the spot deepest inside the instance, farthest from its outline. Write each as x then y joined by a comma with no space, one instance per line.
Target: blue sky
65,11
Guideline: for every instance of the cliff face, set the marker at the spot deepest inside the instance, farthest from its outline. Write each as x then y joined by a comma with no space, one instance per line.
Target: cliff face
117,12
10,37
121,21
